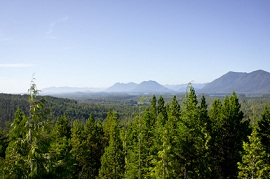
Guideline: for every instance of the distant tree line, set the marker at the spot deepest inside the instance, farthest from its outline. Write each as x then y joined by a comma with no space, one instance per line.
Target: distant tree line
72,109
165,140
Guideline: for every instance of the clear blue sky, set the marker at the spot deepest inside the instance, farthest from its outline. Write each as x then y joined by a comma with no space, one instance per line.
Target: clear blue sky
96,43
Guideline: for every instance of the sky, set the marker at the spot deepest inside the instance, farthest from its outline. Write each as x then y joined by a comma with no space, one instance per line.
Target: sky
96,43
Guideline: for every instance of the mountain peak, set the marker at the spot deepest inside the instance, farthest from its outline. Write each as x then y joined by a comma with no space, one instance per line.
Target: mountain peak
254,82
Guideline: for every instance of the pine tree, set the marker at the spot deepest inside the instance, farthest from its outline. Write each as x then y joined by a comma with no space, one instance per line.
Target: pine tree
264,130
161,110
141,148
93,148
133,149
112,161
228,132
192,139
61,160
153,108
77,147
16,153
253,160
27,152
166,162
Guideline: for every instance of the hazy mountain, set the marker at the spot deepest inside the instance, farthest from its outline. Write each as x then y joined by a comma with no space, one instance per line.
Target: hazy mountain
256,82
240,82
143,87
121,87
183,87
150,87
58,90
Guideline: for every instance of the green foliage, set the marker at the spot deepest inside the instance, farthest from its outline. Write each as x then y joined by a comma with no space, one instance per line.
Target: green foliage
61,160
174,139
253,163
112,161
193,138
27,151
264,129
227,131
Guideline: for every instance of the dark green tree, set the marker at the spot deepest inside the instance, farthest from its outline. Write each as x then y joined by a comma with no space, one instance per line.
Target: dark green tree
27,153
77,147
153,108
161,110
192,139
112,161
16,164
166,162
264,130
228,131
92,147
61,160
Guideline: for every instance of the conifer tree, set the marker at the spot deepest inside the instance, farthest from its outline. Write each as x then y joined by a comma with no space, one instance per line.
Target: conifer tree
253,164
133,150
61,160
77,147
166,162
142,150
112,161
27,151
16,153
93,148
192,139
228,132
153,108
264,130
161,110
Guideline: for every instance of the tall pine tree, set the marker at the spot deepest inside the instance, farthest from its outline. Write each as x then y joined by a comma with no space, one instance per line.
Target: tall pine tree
112,161
253,163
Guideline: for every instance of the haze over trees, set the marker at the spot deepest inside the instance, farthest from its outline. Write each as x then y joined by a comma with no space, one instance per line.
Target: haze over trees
163,140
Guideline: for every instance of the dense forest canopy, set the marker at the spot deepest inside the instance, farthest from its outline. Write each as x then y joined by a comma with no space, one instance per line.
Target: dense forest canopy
186,136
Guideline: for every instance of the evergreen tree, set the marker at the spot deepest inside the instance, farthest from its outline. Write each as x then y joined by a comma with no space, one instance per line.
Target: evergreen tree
92,147
142,150
112,161
107,123
61,160
161,110
27,153
18,148
133,150
228,132
166,163
77,147
253,160
153,108
192,139
264,130
164,166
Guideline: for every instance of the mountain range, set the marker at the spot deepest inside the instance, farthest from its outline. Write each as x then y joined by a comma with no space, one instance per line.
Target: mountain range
256,82
240,82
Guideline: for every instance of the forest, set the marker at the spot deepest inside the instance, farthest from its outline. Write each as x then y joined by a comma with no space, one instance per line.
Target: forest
159,139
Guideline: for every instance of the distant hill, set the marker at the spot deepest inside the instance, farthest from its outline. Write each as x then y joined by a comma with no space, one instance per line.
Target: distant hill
58,90
121,87
151,87
143,87
183,87
240,82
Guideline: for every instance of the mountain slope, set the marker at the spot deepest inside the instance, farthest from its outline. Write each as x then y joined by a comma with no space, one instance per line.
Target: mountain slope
150,87
143,87
183,87
121,87
254,82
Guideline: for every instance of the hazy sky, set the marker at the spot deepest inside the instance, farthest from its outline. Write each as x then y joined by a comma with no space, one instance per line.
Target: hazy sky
95,43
